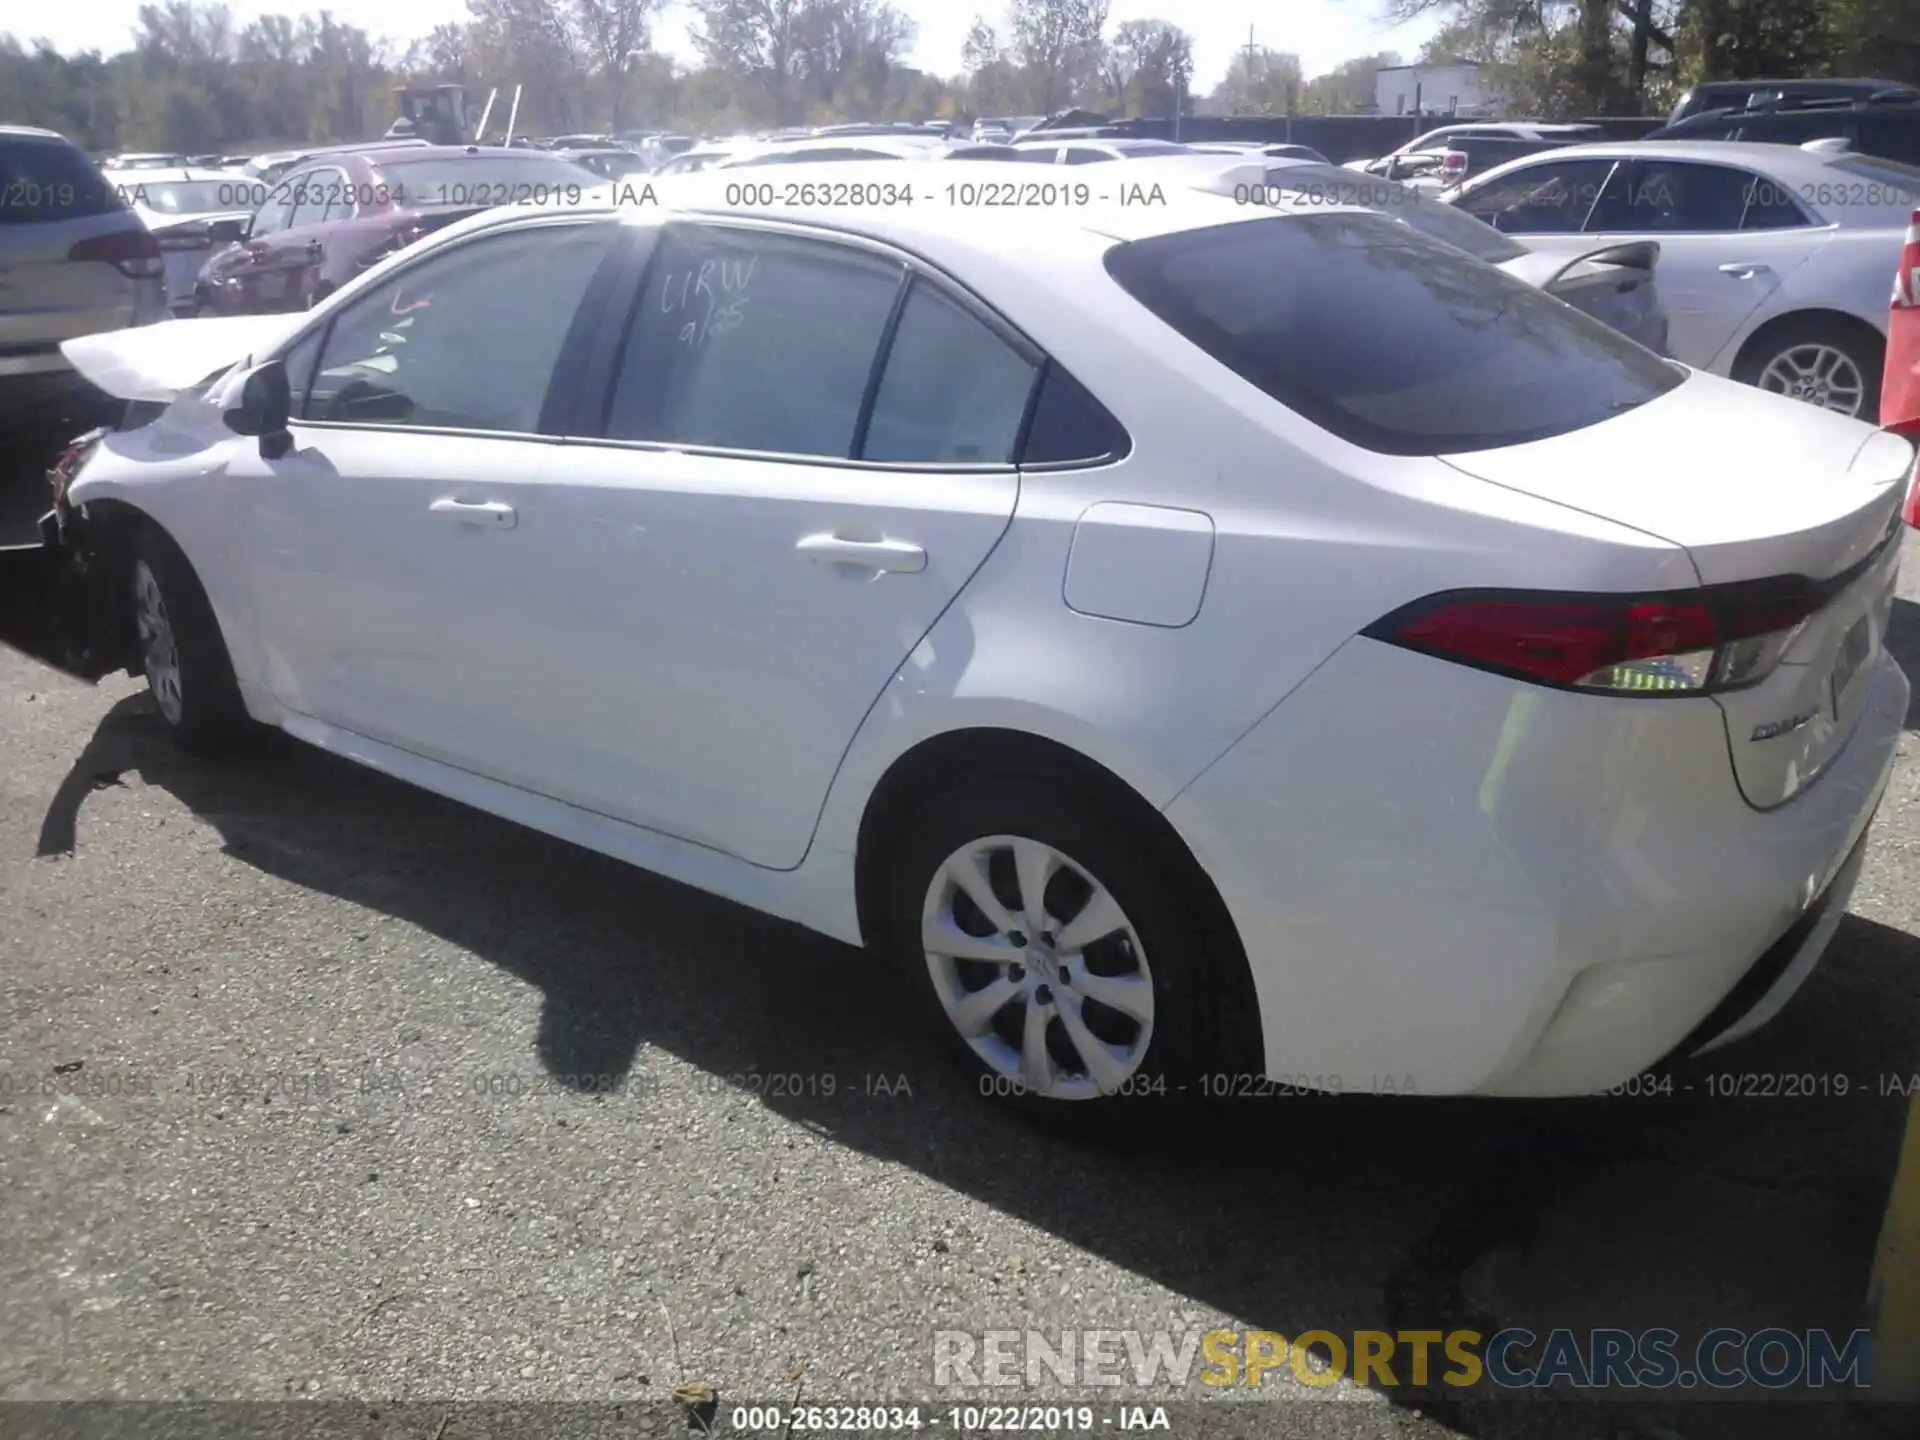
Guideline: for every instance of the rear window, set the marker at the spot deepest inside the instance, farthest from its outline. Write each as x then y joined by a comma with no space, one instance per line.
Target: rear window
486,179
46,180
1388,339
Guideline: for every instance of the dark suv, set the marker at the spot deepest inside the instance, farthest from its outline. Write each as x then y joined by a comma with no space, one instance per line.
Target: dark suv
1885,125
1746,94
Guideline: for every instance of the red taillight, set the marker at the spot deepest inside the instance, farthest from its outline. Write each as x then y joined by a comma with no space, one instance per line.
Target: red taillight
1910,512
131,252
1617,644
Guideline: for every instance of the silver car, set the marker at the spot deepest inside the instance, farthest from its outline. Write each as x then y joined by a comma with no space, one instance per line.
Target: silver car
1612,282
74,260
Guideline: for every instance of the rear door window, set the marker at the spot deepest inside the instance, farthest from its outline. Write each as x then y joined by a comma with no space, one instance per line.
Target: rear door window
747,339
44,180
1665,197
1386,338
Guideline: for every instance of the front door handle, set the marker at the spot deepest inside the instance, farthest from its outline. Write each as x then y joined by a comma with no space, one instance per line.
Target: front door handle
892,557
1740,270
490,513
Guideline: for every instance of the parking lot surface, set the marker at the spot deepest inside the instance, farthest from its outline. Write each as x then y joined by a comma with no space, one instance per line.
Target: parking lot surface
385,1098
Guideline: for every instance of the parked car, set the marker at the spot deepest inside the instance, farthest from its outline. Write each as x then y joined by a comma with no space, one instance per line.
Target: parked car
191,212
272,167
74,260
802,152
1044,150
1447,723
1747,94
155,160
1889,129
1614,283
704,156
341,213
1278,151
1471,155
608,164
1438,142
1773,261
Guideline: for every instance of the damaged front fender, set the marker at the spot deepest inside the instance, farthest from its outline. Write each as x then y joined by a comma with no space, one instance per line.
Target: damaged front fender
63,600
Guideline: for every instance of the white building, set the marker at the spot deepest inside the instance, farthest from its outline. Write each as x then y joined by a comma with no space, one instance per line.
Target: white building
1452,87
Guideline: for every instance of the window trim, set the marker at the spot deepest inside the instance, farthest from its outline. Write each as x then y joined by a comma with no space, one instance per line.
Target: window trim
917,269
616,256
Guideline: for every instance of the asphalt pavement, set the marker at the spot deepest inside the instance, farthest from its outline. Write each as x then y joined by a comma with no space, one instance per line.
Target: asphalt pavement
320,1087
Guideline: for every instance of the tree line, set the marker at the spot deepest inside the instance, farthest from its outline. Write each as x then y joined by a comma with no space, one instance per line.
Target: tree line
194,80
1562,58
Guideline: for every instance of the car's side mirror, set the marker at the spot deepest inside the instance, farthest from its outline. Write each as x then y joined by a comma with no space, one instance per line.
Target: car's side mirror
229,232
264,408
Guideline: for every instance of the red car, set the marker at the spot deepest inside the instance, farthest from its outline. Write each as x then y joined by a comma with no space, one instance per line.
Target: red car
338,214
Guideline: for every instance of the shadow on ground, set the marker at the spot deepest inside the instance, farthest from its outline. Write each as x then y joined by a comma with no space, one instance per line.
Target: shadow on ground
1687,1209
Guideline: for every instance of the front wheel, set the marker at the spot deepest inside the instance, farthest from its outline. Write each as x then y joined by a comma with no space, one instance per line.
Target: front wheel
181,650
1062,951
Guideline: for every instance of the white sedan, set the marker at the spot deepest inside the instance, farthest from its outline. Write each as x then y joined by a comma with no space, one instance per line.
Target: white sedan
1188,643
182,208
1775,262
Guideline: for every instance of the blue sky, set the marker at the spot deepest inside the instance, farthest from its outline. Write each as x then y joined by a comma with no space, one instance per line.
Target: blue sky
1321,32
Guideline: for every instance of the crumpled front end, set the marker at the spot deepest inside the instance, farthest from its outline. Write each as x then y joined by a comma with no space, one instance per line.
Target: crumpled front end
58,602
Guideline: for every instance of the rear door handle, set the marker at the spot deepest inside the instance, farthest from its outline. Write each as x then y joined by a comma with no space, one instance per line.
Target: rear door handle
1739,270
893,557
490,513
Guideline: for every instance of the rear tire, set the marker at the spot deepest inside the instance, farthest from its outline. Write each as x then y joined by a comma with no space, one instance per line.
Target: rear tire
181,650
1114,1000
1820,361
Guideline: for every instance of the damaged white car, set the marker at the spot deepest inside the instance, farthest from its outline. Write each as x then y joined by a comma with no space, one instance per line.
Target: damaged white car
1189,642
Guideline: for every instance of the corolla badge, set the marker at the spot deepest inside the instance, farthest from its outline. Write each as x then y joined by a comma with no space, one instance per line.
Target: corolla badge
1774,729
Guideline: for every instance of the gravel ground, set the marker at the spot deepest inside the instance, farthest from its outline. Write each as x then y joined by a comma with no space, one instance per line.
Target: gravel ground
375,1098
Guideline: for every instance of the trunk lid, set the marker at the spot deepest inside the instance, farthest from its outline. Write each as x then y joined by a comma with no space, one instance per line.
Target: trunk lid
1753,487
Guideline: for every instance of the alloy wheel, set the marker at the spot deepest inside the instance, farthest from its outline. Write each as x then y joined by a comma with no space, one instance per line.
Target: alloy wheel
1819,375
1038,968
159,652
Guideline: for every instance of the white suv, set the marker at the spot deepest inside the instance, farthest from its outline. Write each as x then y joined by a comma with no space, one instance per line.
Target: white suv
74,260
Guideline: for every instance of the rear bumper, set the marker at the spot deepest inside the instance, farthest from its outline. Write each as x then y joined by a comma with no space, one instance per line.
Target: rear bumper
1454,884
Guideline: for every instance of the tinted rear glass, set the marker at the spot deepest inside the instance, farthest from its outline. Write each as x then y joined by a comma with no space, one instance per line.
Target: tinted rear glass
1388,339
45,180
1334,186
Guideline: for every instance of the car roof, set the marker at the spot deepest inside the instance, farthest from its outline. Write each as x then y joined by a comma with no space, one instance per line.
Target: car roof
31,132
1749,153
174,175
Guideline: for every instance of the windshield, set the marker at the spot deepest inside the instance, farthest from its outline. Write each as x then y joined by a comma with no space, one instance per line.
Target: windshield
1331,185
1385,338
485,179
